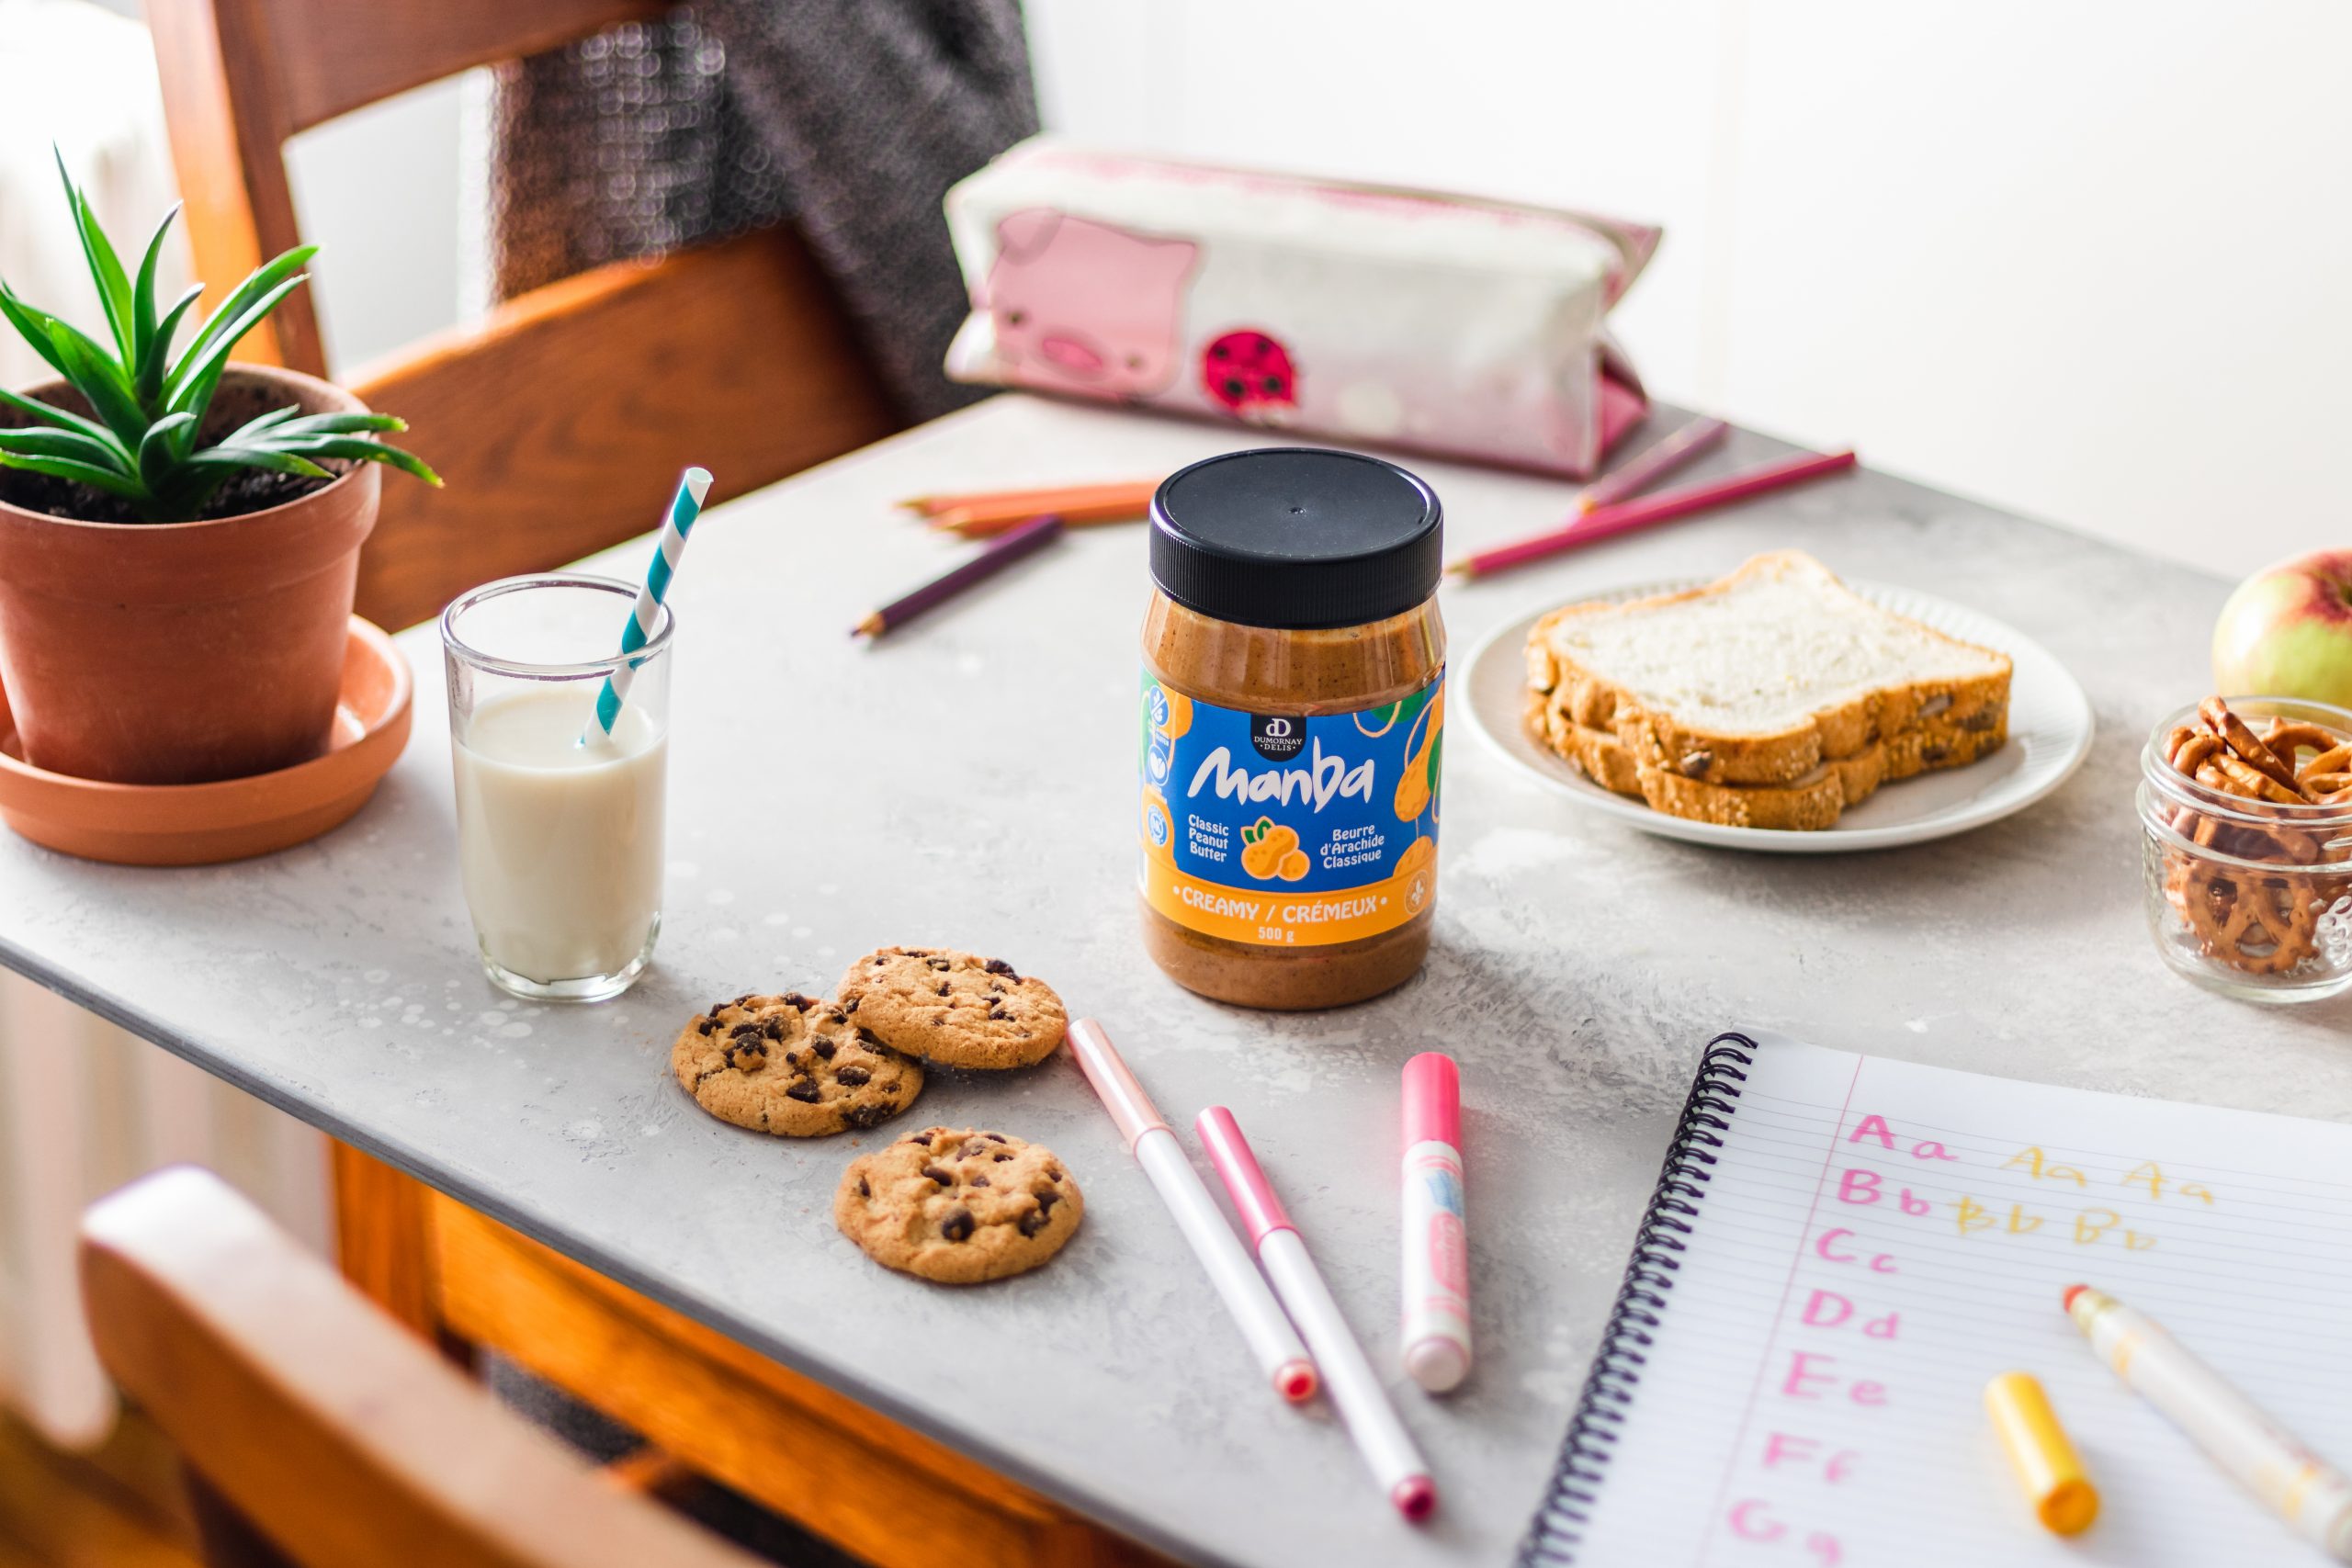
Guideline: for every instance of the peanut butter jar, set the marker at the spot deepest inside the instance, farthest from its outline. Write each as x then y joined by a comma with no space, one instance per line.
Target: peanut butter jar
1292,722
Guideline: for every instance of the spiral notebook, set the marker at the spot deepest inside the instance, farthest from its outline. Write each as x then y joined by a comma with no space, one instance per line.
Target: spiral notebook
1841,1251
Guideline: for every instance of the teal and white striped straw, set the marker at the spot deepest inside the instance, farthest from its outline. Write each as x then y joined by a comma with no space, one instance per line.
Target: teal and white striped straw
685,507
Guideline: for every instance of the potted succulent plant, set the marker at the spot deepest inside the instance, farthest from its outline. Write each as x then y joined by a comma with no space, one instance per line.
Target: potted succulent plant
180,534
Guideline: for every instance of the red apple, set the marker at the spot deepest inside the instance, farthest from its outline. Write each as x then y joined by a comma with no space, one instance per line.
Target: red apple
2286,632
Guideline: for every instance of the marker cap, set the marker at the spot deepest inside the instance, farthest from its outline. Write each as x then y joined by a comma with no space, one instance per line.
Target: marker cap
1253,1195
1433,1100
2047,1466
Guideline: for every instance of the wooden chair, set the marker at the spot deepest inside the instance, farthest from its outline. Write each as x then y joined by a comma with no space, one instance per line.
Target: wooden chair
316,1433
561,421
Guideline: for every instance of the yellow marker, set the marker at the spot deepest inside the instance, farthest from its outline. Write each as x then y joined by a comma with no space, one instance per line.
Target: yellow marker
2048,1467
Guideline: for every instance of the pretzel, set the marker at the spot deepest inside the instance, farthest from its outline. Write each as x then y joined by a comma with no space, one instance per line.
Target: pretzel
2242,740
2286,738
2256,923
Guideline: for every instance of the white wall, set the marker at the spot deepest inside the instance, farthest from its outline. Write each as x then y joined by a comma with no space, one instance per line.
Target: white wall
2087,260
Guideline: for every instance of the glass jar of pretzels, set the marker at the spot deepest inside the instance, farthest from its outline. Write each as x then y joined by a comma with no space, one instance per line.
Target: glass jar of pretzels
2247,809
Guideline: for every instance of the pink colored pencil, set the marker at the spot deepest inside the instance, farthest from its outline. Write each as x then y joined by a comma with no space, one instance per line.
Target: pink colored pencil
1611,521
1677,449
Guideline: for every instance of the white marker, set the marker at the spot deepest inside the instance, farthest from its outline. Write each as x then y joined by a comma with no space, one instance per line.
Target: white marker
1271,1338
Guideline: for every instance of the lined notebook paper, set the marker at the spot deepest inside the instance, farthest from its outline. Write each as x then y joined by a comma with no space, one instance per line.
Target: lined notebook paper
1843,1249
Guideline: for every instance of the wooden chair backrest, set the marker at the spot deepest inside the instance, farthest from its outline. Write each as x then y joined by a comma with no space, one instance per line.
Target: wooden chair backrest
561,421
318,1432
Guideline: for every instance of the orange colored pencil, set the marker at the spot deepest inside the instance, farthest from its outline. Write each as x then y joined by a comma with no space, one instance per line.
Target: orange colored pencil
1134,495
974,523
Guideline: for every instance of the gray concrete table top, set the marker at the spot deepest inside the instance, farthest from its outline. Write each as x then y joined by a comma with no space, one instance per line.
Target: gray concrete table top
969,780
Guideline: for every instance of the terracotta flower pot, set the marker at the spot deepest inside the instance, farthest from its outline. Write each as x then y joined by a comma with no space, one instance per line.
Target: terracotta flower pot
185,652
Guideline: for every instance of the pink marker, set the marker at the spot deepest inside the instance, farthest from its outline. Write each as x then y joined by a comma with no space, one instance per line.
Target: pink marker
1271,1338
1437,1251
1371,1421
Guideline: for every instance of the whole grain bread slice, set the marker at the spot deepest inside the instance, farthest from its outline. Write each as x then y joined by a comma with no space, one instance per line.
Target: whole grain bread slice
1760,677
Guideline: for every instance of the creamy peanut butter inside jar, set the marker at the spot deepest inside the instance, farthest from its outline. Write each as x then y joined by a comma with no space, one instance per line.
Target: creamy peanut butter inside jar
1293,707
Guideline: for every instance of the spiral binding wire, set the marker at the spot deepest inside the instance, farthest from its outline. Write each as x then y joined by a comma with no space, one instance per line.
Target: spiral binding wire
1601,1411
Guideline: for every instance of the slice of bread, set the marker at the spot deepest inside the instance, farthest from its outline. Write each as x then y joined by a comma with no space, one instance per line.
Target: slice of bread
1774,698
1762,676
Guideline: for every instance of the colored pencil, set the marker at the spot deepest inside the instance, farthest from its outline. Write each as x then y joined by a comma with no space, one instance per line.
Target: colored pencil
1611,521
985,510
1698,436
1031,535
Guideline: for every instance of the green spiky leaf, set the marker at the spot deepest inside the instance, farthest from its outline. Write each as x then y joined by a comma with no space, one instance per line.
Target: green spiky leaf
256,457
100,381
159,454
32,325
199,369
51,415
106,267
64,444
273,281
143,301
358,450
90,474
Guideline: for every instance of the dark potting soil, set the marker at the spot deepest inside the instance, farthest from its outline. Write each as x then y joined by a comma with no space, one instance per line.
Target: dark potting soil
248,489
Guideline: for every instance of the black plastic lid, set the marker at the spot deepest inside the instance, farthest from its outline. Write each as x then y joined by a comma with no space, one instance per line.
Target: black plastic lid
1296,538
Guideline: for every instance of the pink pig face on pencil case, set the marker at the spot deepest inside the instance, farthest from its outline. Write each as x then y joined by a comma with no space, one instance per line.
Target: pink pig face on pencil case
1083,307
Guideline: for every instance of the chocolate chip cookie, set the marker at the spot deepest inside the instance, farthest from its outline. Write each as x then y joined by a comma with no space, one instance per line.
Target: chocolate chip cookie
953,1008
791,1064
958,1207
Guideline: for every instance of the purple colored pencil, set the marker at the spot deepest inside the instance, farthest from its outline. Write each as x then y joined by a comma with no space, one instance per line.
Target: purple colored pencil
1002,551
1653,464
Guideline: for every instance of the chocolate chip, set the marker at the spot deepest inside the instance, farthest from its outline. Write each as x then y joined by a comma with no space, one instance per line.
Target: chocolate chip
999,967
864,1116
957,1226
824,1048
797,1002
979,1181
943,988
716,1008
868,1039
1695,763
938,964
972,1147
852,1075
939,1018
747,1053
918,1138
748,1026
939,1174
775,1029
1045,1201
1934,753
993,1137
863,1190
1053,1173
838,1016
805,1091
998,1015
1031,1223
849,1006
705,1026
1001,1158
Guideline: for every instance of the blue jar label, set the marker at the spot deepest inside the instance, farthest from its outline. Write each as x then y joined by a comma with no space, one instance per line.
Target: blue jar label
1281,830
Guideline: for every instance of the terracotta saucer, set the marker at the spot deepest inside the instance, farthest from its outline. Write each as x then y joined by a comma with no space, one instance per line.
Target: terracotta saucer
198,824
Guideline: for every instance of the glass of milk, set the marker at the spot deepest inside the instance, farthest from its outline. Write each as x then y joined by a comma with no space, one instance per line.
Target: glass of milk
559,839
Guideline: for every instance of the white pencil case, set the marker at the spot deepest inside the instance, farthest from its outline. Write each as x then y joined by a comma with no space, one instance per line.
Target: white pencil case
1446,323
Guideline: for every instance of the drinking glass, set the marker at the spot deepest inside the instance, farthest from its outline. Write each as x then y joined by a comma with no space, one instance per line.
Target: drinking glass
559,824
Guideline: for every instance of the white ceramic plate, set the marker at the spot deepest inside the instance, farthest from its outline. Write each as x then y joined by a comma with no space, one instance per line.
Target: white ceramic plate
2049,734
